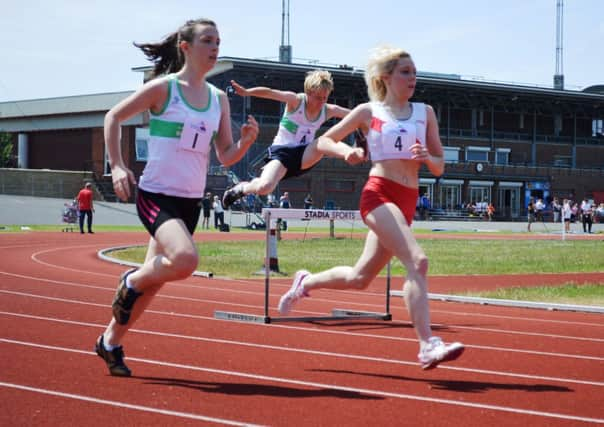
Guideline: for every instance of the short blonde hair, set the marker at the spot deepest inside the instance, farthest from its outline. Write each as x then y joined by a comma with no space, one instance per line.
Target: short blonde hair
382,61
318,79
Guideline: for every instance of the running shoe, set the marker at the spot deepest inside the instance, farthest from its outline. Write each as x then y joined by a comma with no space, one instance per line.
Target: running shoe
295,293
232,195
438,352
124,300
114,359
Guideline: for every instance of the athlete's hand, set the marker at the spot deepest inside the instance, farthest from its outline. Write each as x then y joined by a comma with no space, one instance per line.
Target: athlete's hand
241,91
419,152
355,156
249,130
122,177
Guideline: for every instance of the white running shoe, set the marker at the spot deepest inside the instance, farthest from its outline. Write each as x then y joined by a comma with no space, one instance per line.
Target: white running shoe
295,292
437,352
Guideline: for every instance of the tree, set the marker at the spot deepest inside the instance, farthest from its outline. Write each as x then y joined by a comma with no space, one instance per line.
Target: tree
6,149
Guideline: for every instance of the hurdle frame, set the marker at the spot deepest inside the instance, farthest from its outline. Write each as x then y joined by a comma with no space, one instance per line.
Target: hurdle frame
336,314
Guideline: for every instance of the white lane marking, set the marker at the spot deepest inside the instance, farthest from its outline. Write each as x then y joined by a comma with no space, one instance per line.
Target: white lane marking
125,405
313,352
380,393
216,302
336,301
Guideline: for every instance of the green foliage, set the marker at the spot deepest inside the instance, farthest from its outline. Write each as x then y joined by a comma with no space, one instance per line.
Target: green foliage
6,149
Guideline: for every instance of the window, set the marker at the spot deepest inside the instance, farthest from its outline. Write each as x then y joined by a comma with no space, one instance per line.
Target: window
597,127
521,124
502,156
141,140
451,154
477,154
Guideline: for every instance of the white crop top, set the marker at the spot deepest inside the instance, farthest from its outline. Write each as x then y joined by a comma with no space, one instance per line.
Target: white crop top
295,129
179,144
391,138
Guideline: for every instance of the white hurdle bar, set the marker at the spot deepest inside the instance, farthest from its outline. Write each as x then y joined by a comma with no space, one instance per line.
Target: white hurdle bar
336,314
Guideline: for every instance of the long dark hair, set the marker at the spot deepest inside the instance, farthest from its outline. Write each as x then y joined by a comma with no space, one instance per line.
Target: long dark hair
166,55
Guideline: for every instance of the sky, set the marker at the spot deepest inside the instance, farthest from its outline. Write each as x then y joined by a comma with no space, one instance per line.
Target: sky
60,48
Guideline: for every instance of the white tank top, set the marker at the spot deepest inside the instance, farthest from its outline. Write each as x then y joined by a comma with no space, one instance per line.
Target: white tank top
295,129
179,144
390,138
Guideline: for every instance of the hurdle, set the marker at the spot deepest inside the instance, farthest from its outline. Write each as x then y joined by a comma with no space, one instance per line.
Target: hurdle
270,216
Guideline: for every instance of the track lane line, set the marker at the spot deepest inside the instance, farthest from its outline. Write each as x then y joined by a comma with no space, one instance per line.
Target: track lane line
312,352
318,385
126,405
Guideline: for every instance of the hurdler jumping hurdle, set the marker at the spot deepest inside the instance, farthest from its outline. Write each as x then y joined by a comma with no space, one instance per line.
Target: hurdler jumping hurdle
270,216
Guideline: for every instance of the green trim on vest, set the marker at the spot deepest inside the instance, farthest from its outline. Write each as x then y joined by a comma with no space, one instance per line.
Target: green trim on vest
166,129
288,124
167,101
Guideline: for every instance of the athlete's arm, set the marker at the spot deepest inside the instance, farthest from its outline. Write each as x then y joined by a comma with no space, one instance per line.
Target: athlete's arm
432,154
334,110
150,96
290,98
329,143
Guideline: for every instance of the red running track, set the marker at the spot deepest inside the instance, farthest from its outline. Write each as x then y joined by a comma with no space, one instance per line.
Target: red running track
521,366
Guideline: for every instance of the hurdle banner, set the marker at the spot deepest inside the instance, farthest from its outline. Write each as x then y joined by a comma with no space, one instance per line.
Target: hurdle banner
270,215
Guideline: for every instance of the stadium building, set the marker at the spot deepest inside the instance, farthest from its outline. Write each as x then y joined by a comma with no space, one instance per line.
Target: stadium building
504,143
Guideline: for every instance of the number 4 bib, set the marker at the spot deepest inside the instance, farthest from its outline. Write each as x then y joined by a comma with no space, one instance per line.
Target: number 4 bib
398,139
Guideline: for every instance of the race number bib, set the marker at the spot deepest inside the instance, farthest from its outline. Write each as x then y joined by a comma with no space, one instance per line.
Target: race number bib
195,136
398,139
304,135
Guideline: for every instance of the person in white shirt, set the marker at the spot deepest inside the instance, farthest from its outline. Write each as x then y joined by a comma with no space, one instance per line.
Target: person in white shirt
586,215
218,213
566,214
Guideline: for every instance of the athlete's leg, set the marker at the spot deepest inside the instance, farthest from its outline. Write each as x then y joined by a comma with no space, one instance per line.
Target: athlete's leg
172,255
272,173
311,155
367,267
390,226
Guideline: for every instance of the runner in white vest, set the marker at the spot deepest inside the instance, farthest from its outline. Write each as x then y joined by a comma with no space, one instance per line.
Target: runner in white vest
294,149
401,136
188,116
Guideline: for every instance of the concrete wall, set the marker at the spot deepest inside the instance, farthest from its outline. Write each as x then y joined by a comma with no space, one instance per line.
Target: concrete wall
43,183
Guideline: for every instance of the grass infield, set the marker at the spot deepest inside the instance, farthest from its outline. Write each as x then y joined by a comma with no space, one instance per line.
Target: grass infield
242,259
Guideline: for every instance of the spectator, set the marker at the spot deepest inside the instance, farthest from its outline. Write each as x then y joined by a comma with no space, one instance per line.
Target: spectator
490,211
539,207
218,213
284,204
308,201
586,215
566,214
271,201
556,209
600,213
574,212
85,206
206,204
424,206
530,214
284,201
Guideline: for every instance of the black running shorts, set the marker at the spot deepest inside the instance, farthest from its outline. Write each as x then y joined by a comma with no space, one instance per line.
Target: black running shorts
290,157
155,209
